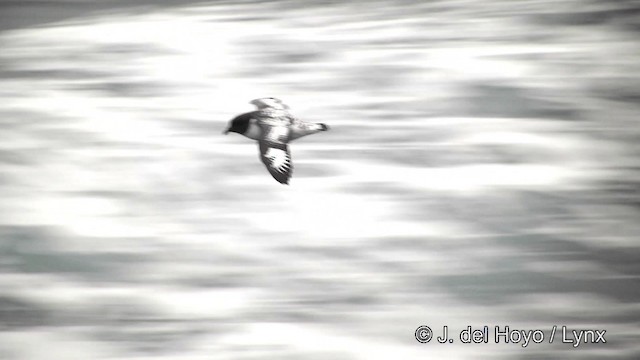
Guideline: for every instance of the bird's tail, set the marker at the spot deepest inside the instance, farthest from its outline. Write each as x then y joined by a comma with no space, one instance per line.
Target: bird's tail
301,128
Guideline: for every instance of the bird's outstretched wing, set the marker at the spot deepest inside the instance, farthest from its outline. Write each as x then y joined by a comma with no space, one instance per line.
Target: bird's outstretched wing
275,122
277,158
270,102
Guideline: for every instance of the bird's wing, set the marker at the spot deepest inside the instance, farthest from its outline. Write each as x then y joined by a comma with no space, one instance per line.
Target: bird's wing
272,116
274,151
277,158
269,103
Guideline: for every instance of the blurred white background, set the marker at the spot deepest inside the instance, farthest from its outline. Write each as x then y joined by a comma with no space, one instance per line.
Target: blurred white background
482,169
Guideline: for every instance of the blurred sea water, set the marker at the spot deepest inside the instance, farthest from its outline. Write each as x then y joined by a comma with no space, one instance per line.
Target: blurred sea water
481,169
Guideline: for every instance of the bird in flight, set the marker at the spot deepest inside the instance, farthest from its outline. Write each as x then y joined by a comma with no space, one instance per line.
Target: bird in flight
273,126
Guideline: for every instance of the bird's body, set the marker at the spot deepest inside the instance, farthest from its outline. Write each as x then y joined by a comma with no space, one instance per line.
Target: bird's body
273,126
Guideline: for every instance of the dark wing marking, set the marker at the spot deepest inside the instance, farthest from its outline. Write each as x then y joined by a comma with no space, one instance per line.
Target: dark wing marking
274,151
277,159
274,130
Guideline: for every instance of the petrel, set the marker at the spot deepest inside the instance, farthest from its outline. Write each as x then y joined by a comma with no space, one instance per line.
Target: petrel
274,127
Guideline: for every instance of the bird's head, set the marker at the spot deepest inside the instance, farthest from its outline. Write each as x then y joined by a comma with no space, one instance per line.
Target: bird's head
239,124
269,102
